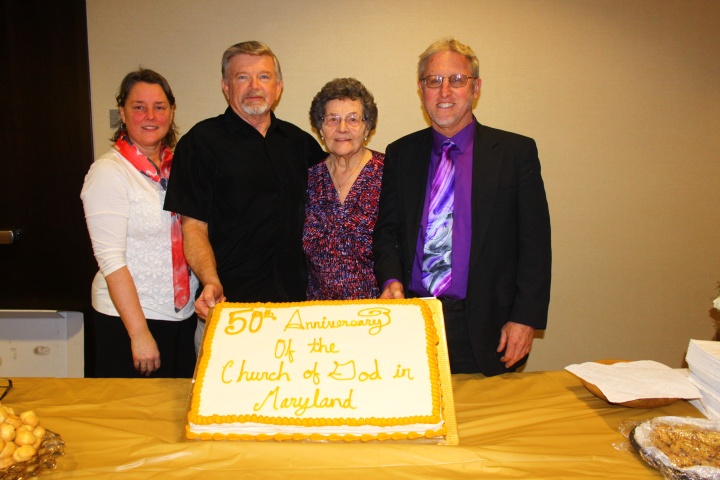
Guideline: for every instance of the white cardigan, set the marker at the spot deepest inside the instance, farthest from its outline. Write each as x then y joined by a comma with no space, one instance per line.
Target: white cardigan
128,227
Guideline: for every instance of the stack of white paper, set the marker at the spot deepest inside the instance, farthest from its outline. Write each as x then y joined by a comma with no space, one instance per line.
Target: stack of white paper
703,358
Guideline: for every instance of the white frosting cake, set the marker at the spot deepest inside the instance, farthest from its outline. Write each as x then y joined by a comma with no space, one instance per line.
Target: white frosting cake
337,370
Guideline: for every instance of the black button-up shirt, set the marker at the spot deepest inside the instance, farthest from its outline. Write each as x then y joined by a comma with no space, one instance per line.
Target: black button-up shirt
250,191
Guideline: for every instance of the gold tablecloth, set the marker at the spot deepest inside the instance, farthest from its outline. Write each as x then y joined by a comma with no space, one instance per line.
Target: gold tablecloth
522,425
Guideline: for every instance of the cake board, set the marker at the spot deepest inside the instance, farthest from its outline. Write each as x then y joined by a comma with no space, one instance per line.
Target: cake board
451,437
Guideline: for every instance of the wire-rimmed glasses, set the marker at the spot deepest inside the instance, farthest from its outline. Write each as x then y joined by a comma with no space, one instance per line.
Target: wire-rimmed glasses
456,81
353,120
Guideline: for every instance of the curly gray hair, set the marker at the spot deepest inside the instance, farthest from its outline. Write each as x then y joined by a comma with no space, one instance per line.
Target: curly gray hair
341,89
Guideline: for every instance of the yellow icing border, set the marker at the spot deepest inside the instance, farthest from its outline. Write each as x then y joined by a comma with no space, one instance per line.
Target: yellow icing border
282,437
432,327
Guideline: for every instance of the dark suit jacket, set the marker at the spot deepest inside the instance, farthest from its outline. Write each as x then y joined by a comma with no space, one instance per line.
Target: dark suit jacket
510,254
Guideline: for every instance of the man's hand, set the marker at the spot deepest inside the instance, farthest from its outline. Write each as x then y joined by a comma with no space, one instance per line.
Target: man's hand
516,339
393,290
201,258
211,294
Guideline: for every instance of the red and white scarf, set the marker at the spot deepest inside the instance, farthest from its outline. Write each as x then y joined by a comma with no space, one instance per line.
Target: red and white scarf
181,273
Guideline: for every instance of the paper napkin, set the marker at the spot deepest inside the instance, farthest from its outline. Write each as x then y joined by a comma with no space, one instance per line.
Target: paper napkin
626,381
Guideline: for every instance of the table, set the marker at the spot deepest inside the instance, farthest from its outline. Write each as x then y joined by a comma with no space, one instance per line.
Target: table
521,425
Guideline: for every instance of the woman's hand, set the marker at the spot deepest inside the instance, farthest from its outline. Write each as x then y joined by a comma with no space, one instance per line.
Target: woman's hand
146,356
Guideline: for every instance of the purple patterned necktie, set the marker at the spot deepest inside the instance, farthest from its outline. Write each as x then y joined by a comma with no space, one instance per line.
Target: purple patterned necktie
436,263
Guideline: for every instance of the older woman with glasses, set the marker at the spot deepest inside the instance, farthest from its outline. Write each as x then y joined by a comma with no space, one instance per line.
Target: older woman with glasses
342,196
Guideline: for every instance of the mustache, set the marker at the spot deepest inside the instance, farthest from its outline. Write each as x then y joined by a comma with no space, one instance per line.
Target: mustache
254,93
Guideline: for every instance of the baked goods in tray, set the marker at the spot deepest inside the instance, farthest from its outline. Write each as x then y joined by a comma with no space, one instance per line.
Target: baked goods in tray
680,447
26,448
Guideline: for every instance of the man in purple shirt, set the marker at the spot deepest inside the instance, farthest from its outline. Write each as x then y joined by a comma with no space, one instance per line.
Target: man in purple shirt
497,289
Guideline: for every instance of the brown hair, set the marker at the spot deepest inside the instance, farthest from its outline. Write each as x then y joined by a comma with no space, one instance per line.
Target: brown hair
146,76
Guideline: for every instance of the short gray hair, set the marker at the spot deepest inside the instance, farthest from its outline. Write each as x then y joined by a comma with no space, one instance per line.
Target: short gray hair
250,47
449,45
341,89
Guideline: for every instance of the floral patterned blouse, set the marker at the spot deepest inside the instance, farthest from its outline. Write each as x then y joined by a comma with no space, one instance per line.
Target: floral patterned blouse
337,238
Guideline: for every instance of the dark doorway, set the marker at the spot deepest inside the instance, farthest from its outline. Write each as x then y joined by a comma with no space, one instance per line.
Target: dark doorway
45,152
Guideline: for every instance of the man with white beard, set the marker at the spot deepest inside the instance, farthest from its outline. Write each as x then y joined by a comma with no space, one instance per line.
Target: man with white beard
239,181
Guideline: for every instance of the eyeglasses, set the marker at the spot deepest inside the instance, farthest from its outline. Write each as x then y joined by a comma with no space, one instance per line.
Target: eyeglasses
456,81
5,387
353,120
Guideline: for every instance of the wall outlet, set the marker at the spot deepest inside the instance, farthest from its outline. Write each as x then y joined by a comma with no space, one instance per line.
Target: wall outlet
114,118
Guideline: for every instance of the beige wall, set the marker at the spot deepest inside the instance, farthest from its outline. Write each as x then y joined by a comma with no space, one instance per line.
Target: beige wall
622,98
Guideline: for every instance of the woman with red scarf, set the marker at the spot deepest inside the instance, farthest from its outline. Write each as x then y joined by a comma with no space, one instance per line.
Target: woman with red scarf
143,293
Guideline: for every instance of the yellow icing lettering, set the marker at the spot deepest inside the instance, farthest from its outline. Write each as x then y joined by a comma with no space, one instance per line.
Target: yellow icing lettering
312,374
347,371
343,371
302,404
326,402
295,321
238,321
365,376
252,376
273,394
378,323
374,325
229,364
403,372
284,350
317,346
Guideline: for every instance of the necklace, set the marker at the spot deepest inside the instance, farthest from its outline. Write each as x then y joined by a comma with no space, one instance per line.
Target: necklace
342,184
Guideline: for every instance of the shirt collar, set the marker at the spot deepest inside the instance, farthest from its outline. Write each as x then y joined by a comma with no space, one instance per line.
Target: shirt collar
463,139
236,123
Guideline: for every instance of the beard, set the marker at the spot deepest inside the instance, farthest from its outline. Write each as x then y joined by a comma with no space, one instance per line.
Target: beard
255,109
